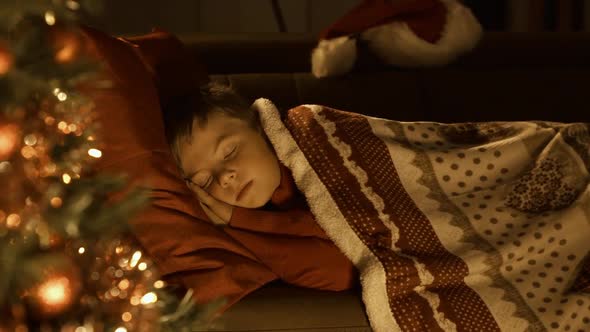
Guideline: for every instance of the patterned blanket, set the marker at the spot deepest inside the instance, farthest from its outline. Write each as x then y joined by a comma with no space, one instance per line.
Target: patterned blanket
453,227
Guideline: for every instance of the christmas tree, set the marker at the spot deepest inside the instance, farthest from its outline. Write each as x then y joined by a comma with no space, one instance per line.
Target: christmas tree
66,261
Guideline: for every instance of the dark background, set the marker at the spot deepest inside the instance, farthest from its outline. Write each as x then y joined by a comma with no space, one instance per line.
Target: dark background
129,17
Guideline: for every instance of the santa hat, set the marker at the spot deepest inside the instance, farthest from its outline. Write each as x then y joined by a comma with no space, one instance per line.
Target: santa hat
407,33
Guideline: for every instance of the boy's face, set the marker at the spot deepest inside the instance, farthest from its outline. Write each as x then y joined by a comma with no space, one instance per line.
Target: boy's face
231,161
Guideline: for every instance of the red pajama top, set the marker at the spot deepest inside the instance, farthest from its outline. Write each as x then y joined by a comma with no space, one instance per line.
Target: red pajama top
295,248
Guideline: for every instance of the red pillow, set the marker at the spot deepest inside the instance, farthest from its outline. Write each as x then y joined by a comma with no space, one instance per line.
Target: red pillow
172,229
175,70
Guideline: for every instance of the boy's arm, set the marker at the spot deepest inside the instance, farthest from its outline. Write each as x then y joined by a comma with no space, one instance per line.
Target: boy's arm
295,222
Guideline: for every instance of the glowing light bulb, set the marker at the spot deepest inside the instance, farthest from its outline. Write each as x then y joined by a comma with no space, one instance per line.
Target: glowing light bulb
55,294
135,258
96,153
148,298
49,17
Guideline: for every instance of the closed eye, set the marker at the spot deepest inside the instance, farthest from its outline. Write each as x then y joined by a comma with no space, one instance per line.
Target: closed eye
204,186
227,156
207,183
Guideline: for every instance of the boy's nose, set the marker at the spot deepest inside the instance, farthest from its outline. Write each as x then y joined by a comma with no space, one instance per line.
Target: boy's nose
227,179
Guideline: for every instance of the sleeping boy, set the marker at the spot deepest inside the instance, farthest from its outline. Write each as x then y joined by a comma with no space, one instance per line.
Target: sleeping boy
225,158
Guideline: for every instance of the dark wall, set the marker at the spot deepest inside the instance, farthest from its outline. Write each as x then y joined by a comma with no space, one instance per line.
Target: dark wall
218,16
311,16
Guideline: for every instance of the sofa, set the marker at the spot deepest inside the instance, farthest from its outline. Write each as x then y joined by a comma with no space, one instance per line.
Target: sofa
509,77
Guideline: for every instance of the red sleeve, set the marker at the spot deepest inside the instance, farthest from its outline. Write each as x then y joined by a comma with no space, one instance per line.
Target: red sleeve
295,222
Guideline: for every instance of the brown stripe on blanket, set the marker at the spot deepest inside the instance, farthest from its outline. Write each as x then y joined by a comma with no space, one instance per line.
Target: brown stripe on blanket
411,311
417,238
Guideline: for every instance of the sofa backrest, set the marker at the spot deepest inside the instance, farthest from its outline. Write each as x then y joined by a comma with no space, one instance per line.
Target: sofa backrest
509,76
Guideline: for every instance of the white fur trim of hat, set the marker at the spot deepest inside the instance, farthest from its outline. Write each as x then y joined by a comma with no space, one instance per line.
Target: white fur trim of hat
333,57
396,44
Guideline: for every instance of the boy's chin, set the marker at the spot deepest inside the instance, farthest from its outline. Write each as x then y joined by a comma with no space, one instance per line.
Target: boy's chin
253,203
250,205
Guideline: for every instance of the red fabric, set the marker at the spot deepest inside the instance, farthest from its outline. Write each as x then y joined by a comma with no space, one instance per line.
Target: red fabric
173,229
426,18
294,238
175,70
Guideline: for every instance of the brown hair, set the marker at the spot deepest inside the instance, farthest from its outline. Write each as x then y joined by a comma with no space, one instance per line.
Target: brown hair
181,112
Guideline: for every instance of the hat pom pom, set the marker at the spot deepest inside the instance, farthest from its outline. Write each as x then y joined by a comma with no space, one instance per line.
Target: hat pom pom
333,57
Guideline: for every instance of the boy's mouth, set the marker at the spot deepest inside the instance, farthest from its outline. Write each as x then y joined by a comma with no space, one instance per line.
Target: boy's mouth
243,190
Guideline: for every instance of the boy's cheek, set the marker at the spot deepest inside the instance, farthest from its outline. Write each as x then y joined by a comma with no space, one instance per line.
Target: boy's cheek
220,195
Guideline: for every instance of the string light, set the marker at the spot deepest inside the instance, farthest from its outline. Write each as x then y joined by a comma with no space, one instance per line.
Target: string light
56,202
135,300
67,52
49,18
73,5
149,298
8,139
28,152
95,153
4,166
135,258
6,59
124,284
55,294
126,316
49,120
13,220
30,140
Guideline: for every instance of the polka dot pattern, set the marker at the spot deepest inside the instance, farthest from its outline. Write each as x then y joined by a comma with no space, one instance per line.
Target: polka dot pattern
532,240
